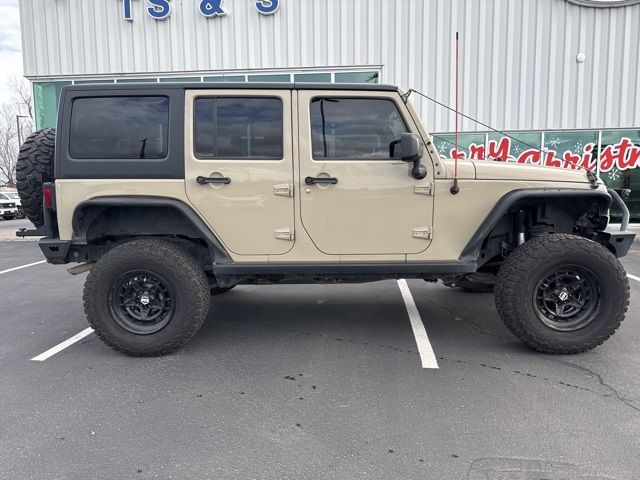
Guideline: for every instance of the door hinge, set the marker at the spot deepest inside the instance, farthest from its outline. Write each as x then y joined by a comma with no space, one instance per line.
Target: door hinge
425,233
424,189
285,234
283,190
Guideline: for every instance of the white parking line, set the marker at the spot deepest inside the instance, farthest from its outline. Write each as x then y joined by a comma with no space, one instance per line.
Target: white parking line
633,277
22,266
422,340
61,346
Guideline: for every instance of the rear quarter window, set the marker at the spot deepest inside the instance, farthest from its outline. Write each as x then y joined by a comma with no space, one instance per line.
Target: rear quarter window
119,128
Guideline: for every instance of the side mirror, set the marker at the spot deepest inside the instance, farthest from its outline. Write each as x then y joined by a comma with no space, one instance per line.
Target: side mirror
411,151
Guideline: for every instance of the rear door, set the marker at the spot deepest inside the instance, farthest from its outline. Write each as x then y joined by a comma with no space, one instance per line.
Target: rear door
239,167
374,206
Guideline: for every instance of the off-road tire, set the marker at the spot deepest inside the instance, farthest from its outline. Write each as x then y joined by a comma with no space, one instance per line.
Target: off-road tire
35,167
528,264
185,276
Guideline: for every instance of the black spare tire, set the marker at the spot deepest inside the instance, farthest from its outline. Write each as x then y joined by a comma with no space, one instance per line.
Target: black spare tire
35,167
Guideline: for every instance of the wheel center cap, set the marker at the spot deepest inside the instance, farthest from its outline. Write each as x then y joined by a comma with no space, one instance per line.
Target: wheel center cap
563,295
145,300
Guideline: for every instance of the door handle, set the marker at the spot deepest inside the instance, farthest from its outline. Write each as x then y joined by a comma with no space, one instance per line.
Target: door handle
318,180
219,180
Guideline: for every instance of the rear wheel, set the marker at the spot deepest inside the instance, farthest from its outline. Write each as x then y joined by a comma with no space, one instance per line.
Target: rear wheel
562,293
146,297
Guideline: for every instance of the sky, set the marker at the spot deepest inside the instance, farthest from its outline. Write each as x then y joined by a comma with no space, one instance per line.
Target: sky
10,48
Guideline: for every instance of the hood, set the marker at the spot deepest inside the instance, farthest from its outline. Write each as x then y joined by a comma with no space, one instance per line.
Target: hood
488,170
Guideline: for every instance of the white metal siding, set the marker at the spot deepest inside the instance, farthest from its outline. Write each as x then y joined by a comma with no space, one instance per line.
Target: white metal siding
518,65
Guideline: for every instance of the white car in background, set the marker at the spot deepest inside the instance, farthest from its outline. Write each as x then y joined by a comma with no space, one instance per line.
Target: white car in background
10,206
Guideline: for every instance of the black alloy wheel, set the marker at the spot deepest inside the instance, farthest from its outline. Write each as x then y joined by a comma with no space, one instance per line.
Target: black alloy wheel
141,302
567,298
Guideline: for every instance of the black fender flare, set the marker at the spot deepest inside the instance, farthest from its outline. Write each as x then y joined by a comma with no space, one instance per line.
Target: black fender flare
471,251
215,245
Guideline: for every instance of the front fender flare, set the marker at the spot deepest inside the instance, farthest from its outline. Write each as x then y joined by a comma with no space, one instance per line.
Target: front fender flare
471,251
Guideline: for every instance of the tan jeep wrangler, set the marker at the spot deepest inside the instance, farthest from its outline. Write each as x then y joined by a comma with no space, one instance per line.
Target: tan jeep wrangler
171,193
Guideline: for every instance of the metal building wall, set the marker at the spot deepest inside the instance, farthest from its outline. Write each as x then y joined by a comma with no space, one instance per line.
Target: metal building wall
519,69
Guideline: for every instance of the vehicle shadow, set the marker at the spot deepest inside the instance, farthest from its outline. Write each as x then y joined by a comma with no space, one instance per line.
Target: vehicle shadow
364,314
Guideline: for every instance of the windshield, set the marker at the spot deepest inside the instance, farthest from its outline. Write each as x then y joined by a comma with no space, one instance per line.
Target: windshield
13,195
4,197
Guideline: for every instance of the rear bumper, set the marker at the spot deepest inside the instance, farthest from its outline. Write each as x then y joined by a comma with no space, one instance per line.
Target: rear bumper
55,250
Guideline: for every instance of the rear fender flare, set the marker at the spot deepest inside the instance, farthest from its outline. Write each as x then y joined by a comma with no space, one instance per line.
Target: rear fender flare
86,212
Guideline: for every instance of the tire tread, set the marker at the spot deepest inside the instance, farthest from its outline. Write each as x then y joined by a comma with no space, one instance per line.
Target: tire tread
188,273
511,285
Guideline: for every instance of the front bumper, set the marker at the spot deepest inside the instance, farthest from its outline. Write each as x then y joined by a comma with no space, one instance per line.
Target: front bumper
618,240
8,211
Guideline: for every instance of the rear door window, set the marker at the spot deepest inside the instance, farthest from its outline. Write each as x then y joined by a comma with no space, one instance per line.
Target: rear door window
238,128
135,127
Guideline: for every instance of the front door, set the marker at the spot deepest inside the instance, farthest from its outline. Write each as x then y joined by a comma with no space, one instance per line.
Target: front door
357,197
239,167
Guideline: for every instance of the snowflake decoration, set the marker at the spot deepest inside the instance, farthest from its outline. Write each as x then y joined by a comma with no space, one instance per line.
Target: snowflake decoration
577,147
516,150
554,142
442,148
614,175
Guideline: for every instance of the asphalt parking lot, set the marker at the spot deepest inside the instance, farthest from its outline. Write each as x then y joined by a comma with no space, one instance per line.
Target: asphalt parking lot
309,382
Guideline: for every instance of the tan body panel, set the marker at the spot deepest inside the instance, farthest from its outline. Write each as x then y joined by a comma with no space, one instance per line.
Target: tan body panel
247,212
490,170
458,217
373,209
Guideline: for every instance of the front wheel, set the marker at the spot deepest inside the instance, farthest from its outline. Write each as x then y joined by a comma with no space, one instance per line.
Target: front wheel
562,293
21,213
146,297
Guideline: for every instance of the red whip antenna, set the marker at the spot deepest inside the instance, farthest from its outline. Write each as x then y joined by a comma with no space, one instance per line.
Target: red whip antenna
454,188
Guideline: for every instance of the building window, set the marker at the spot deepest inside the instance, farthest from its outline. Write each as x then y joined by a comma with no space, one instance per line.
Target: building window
355,129
357,77
91,82
228,78
619,162
522,147
312,78
181,80
278,78
470,145
45,98
238,128
119,128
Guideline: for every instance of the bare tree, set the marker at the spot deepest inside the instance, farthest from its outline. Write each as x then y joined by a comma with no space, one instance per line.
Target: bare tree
15,121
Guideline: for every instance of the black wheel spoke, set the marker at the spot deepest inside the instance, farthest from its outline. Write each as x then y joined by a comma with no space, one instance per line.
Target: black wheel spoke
141,302
566,298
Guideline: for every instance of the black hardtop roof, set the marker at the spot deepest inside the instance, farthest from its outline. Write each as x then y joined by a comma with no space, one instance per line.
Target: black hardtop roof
232,86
